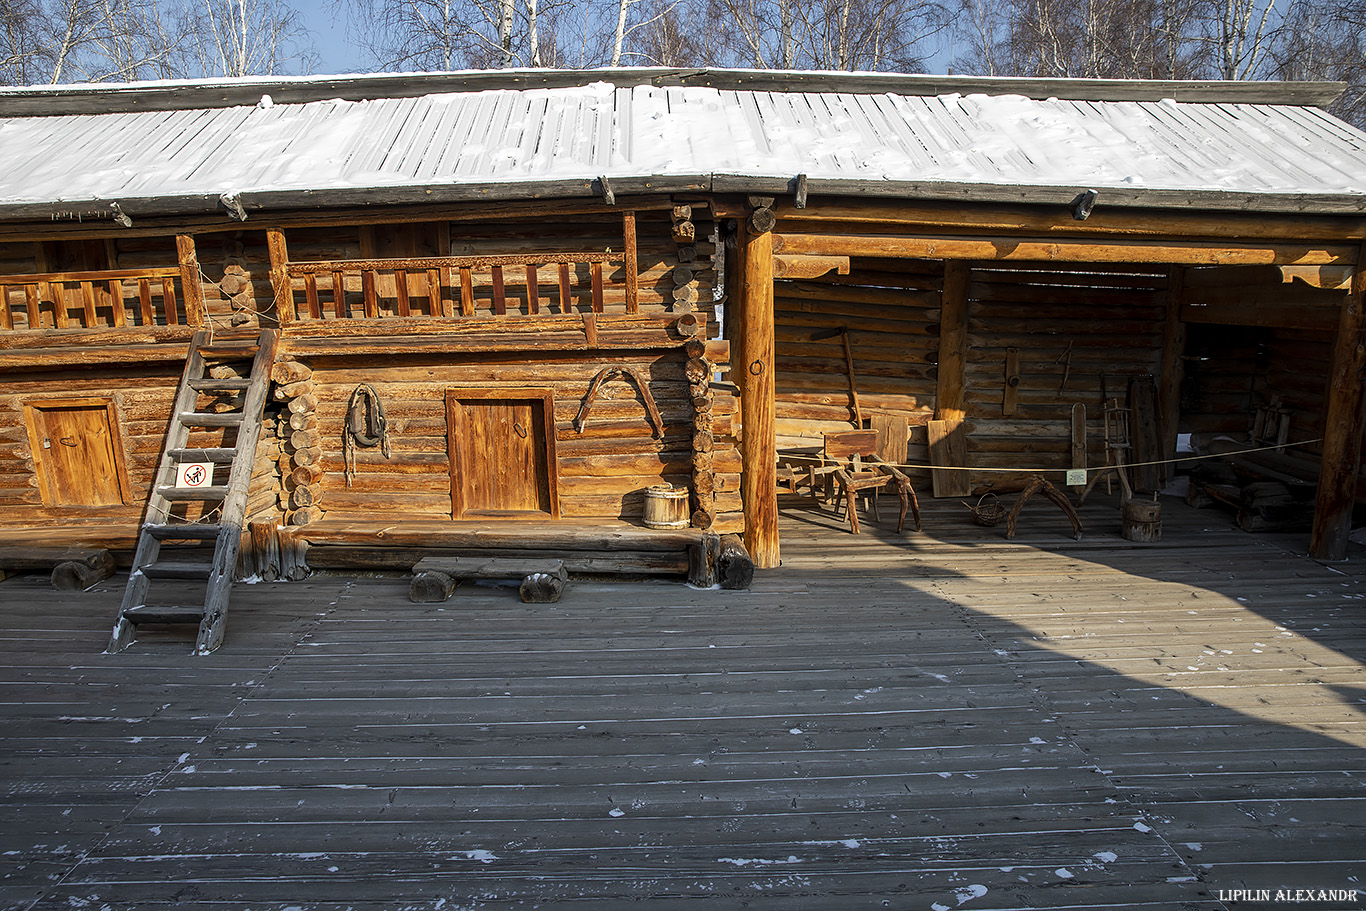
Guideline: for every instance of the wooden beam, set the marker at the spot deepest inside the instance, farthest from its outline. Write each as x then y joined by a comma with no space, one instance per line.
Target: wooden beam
1038,220
1173,369
279,275
754,375
953,344
809,266
1090,250
1340,463
628,221
190,281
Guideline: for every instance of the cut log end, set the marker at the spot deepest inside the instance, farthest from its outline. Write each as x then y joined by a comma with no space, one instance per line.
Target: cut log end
544,588
79,575
431,588
734,565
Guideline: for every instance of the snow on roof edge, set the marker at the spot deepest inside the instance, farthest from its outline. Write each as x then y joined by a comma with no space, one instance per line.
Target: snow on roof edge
189,94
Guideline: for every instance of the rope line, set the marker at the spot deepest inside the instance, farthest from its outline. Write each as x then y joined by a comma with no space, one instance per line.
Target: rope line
1190,458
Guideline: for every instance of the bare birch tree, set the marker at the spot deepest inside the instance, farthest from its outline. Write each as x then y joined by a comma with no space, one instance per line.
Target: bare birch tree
246,37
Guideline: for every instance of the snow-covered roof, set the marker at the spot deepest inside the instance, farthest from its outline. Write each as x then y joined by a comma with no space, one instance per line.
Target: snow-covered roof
180,147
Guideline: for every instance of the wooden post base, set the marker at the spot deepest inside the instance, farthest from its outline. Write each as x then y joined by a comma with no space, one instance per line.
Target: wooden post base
733,563
80,574
435,578
430,587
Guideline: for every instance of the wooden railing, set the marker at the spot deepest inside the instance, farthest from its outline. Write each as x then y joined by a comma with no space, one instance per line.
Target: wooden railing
451,286
114,298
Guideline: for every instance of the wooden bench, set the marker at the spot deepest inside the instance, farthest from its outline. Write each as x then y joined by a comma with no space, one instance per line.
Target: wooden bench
435,578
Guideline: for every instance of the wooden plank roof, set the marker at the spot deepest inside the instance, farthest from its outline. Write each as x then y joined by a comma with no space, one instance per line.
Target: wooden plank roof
183,148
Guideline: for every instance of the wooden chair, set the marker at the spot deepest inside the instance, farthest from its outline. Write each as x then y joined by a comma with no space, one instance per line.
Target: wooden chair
852,459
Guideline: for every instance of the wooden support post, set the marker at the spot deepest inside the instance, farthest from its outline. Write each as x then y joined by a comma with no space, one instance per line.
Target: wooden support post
1341,460
1173,368
279,275
1078,440
628,220
191,282
953,344
754,376
948,447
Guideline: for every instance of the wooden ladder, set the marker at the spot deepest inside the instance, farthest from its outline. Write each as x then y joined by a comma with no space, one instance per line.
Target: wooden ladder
160,527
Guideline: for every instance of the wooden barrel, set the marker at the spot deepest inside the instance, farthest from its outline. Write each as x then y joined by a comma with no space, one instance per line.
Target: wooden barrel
1142,521
666,507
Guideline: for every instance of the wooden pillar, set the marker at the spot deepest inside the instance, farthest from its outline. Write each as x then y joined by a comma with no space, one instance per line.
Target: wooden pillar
753,373
191,282
1342,428
279,275
946,435
628,223
1173,368
951,398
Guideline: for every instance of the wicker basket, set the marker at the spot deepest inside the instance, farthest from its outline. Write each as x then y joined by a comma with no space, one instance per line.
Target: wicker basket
988,511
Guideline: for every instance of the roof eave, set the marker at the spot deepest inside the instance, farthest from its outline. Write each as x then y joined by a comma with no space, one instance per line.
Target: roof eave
263,203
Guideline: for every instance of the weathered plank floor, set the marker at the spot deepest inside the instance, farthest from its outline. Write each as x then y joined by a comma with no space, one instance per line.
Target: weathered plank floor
939,721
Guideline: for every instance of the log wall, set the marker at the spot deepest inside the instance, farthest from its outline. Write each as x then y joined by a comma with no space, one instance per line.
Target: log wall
1079,335
142,399
889,310
602,471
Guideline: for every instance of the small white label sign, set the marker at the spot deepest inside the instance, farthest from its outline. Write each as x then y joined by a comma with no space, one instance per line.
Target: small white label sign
194,474
1076,477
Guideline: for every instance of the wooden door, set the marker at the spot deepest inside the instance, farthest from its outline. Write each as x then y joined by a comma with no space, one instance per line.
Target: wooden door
502,453
77,452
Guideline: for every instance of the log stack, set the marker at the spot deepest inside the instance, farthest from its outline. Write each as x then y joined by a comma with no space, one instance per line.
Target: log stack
685,293
301,443
235,285
698,372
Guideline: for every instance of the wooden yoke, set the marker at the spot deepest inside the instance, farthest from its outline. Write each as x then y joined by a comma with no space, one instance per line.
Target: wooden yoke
607,373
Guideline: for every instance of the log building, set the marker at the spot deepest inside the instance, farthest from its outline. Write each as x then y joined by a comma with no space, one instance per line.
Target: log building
498,309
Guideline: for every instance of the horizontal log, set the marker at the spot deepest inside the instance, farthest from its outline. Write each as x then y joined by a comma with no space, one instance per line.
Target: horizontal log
809,266
404,558
1068,250
1036,220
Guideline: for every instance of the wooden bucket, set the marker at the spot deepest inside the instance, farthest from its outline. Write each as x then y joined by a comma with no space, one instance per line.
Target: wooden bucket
1142,521
666,507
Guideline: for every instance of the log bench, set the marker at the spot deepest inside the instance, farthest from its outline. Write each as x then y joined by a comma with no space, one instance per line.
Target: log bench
72,568
435,578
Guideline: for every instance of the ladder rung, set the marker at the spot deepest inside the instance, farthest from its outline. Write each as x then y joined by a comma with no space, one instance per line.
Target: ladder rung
188,532
203,419
225,352
158,613
231,384
177,570
193,493
203,455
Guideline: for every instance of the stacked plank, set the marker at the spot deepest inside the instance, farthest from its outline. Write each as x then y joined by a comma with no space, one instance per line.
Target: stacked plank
301,471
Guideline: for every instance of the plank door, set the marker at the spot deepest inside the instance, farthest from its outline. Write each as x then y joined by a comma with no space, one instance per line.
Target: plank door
502,453
77,453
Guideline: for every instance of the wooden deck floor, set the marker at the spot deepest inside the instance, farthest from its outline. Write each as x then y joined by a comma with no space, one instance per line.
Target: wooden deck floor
946,721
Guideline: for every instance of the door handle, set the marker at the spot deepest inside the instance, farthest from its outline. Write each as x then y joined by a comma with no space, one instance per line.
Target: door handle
67,441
